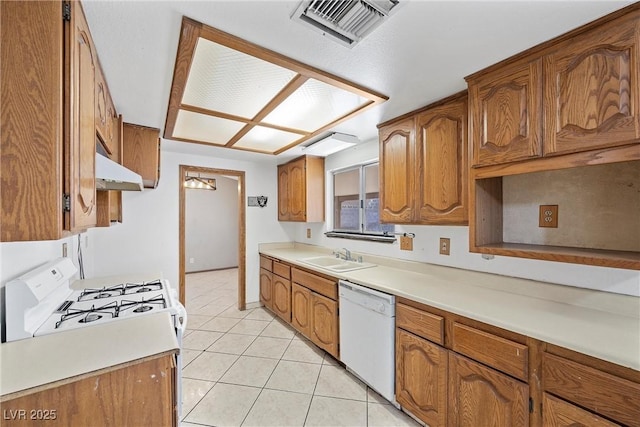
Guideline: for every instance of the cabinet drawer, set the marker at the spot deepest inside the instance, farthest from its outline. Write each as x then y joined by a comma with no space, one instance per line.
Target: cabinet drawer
559,413
326,287
281,270
420,322
266,263
592,389
499,353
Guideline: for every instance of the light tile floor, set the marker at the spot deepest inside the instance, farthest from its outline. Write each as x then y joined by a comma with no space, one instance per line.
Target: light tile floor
247,368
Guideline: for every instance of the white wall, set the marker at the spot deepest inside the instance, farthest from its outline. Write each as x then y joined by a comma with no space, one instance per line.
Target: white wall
147,240
18,258
211,226
425,245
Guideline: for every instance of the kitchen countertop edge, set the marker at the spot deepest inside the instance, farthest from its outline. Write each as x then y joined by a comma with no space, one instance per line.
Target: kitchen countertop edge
55,358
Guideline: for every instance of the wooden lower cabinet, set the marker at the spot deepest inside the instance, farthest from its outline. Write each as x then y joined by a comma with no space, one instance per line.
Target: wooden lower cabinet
301,309
558,413
134,395
266,288
421,378
480,396
281,297
592,388
324,323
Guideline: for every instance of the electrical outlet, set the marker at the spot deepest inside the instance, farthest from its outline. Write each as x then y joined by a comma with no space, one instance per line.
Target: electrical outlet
406,243
548,216
445,246
192,260
308,233
64,250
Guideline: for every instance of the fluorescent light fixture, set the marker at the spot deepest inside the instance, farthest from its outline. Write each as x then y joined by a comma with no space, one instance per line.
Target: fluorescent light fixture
331,144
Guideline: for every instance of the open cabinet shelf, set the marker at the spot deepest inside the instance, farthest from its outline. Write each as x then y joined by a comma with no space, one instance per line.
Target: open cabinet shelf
598,204
600,257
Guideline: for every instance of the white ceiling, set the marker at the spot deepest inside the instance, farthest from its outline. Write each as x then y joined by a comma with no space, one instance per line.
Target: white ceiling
421,54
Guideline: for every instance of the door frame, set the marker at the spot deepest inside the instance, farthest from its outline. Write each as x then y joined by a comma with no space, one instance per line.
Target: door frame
184,169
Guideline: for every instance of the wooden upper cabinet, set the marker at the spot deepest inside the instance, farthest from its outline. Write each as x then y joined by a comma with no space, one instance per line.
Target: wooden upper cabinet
297,191
442,154
480,396
423,165
421,378
301,190
31,126
592,89
576,93
506,114
106,115
141,152
283,193
81,181
397,177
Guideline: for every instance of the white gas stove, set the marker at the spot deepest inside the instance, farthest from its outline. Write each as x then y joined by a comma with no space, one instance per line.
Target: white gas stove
45,301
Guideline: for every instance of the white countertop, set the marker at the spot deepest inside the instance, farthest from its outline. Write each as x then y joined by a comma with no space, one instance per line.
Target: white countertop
45,359
600,324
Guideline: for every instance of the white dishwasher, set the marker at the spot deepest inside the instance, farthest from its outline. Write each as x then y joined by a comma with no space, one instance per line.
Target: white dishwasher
367,343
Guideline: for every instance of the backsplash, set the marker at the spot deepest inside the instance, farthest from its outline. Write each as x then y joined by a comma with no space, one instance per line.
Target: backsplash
598,207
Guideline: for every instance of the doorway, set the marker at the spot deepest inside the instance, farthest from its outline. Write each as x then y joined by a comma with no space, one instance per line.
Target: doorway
185,171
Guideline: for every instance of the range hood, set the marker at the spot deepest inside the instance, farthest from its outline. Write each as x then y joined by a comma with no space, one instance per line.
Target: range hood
112,176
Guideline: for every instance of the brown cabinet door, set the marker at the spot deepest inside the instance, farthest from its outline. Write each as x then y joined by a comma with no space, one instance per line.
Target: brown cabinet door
266,288
421,378
281,297
480,396
506,114
301,309
283,193
141,152
81,152
441,152
297,191
101,109
397,177
592,89
324,323
31,121
558,413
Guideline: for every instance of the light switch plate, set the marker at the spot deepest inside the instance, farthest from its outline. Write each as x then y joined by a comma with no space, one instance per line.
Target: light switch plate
406,243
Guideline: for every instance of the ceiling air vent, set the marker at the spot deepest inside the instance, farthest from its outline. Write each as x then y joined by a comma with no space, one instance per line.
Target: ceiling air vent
345,21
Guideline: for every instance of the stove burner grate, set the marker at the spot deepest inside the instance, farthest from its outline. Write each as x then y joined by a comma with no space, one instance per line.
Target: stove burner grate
143,305
89,315
134,288
105,292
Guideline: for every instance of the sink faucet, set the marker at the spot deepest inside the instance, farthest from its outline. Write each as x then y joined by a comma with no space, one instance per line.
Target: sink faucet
346,256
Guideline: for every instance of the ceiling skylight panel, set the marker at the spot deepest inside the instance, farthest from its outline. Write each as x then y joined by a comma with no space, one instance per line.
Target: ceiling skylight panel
314,105
266,139
225,80
201,127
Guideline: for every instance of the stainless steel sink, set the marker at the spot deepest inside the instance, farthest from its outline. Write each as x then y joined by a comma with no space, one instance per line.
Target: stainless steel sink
336,264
